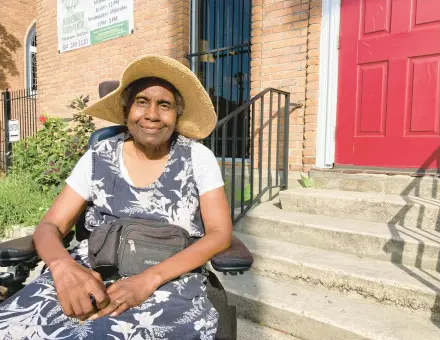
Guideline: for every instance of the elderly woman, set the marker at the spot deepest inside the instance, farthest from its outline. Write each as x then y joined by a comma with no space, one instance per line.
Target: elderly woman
155,171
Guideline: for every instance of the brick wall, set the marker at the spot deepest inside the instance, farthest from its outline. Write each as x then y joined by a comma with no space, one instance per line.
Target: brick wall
16,18
160,26
285,42
285,55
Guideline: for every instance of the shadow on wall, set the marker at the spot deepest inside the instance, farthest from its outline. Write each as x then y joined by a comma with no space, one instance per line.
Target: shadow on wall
412,195
8,47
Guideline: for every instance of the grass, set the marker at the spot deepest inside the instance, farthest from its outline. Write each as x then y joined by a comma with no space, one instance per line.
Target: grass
21,203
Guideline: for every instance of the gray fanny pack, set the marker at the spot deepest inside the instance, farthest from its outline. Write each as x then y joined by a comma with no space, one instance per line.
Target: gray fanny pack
130,246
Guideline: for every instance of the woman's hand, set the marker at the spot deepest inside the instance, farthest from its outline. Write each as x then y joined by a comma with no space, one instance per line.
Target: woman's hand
129,293
74,284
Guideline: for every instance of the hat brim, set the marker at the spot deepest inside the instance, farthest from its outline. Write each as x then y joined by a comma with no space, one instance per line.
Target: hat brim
198,119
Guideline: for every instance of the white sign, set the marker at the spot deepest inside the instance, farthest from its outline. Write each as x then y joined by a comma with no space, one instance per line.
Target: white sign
14,131
88,22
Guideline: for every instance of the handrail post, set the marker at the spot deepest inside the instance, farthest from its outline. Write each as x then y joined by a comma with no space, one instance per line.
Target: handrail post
286,143
6,118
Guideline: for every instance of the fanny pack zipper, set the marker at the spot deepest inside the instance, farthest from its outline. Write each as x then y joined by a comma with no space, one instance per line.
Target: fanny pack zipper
132,246
120,243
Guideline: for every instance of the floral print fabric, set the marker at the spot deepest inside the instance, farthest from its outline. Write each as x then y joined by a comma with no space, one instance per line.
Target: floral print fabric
179,309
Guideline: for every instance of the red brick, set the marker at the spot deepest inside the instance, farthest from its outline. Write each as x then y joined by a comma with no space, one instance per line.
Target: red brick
279,28
309,160
273,8
311,118
313,86
310,127
310,134
16,18
300,24
291,3
312,102
309,152
312,69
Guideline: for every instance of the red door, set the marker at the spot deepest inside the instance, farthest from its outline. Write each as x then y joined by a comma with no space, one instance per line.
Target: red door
389,84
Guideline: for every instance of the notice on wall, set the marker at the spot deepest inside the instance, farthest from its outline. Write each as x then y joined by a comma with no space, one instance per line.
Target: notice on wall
87,22
14,131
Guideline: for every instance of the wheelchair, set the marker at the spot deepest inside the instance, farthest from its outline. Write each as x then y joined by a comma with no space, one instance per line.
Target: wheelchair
20,257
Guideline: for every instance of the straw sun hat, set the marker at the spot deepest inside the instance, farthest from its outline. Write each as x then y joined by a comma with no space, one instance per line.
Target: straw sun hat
198,119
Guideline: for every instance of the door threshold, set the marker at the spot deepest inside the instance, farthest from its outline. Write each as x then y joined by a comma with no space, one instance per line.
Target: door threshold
413,172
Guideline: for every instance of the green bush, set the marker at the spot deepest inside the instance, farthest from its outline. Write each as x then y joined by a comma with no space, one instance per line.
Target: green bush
48,157
21,202
40,165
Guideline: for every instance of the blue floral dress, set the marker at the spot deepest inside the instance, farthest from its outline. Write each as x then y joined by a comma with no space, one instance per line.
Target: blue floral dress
179,309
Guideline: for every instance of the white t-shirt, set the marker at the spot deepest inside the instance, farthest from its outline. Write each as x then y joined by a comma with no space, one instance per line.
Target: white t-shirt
207,172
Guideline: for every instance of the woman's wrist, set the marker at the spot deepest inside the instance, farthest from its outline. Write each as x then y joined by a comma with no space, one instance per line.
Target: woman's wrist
154,277
54,264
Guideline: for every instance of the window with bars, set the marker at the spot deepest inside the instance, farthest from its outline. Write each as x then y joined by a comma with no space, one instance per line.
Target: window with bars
31,54
220,57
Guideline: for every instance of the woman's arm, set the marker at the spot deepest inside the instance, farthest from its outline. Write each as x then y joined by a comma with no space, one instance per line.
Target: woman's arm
73,282
63,213
56,224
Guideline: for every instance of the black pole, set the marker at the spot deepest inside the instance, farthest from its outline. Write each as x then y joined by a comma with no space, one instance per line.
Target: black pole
6,118
286,143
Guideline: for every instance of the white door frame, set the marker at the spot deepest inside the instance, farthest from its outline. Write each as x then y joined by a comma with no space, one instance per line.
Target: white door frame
328,83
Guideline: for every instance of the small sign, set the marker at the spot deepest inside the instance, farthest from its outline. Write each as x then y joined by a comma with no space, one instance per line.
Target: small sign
14,131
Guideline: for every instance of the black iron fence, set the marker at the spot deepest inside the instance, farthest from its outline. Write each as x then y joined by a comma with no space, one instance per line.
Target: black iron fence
258,163
17,108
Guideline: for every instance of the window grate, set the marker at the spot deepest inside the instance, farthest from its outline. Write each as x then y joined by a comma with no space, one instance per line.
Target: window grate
31,50
220,57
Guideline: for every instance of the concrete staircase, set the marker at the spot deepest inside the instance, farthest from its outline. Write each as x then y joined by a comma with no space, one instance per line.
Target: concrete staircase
355,257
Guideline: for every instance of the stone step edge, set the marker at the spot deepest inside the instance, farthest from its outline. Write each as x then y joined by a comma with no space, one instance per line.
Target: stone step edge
409,211
248,330
272,259
364,196
319,314
269,211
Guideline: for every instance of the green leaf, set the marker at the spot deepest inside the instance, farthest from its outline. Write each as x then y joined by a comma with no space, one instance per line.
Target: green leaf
246,191
306,182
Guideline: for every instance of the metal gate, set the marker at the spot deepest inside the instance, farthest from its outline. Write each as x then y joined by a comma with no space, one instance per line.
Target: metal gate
20,105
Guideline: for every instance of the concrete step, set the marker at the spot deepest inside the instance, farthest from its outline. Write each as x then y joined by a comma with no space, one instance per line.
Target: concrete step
248,330
382,282
427,186
318,314
393,209
409,246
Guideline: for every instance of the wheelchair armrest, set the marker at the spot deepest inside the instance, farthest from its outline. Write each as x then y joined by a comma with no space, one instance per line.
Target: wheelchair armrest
236,259
22,249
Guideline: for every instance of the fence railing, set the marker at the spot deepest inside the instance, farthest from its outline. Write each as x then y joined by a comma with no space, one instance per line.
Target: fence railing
20,105
262,164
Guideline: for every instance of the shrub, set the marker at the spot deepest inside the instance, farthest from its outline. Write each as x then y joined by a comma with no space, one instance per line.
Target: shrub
48,157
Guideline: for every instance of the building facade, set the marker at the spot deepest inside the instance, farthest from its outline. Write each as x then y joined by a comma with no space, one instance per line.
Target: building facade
268,43
339,59
18,44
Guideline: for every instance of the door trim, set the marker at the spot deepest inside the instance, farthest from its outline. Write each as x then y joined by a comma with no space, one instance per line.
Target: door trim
328,84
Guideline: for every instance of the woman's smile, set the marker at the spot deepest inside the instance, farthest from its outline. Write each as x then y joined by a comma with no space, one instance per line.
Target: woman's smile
152,130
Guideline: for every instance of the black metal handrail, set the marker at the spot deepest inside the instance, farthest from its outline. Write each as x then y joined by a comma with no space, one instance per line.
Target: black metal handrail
248,195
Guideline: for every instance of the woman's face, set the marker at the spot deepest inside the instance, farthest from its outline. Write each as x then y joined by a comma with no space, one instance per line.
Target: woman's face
152,113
